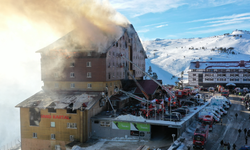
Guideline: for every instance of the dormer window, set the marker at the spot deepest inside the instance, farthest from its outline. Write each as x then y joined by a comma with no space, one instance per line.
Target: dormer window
72,74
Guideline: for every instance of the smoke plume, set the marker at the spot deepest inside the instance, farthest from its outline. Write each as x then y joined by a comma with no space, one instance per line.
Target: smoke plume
94,22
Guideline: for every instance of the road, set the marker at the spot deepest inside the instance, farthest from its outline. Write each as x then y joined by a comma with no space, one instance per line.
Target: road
228,131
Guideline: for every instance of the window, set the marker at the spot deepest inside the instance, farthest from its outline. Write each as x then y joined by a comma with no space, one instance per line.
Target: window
71,137
72,85
236,75
231,75
72,125
72,64
244,79
34,135
194,79
56,85
194,74
194,69
53,136
88,74
236,79
89,85
88,64
72,74
110,84
89,54
71,111
51,110
52,124
232,79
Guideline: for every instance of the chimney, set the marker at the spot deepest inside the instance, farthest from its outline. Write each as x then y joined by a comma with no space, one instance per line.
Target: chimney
197,65
242,63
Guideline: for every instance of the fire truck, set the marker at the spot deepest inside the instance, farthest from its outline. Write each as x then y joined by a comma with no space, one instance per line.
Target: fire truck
225,93
180,93
208,120
200,136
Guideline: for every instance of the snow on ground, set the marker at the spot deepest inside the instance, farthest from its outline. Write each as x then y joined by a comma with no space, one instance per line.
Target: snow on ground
130,117
170,57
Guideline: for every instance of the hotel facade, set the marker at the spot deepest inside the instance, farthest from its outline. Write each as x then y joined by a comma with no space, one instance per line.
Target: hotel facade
211,73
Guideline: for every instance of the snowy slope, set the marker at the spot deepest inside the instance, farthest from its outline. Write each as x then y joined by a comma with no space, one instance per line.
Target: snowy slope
170,57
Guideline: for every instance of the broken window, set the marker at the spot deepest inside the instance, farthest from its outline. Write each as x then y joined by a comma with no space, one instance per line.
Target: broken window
51,110
35,116
71,111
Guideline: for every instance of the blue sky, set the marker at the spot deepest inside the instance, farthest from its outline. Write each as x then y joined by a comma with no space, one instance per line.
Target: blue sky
173,19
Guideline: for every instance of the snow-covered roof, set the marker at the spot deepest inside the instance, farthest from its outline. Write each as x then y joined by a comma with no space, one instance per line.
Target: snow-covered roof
73,100
220,65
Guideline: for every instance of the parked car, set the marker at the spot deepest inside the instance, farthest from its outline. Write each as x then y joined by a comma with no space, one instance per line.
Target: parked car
188,103
195,91
180,110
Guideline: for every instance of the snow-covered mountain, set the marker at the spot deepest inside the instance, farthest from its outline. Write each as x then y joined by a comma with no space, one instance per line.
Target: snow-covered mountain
169,58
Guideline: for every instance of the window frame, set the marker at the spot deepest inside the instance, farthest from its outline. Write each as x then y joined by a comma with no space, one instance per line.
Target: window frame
34,135
89,85
52,136
72,75
89,75
72,85
52,123
88,64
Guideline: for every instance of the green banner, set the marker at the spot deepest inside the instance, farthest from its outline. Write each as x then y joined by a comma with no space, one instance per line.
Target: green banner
121,125
142,127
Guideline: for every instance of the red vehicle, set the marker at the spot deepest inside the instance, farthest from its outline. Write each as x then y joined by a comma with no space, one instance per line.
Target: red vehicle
200,136
187,92
180,93
208,120
225,93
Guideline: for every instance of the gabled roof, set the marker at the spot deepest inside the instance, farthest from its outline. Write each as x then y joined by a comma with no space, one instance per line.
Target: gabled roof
148,85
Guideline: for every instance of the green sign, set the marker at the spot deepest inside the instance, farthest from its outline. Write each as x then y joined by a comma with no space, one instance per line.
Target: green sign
142,127
121,125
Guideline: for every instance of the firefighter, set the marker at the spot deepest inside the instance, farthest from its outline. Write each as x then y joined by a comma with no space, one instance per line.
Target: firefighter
234,146
228,146
221,142
236,115
239,132
246,139
245,131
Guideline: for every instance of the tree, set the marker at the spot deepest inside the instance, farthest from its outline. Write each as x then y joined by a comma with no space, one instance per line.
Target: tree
155,76
150,70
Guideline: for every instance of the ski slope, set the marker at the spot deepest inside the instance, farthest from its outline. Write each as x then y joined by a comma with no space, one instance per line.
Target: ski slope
169,57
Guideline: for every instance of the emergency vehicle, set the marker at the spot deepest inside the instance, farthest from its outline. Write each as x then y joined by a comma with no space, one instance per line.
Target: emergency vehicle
208,120
200,136
225,93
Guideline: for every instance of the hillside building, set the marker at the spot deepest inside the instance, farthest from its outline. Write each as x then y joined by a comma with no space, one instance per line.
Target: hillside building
211,73
75,78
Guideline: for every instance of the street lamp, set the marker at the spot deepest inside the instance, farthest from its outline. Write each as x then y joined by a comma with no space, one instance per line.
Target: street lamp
173,135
